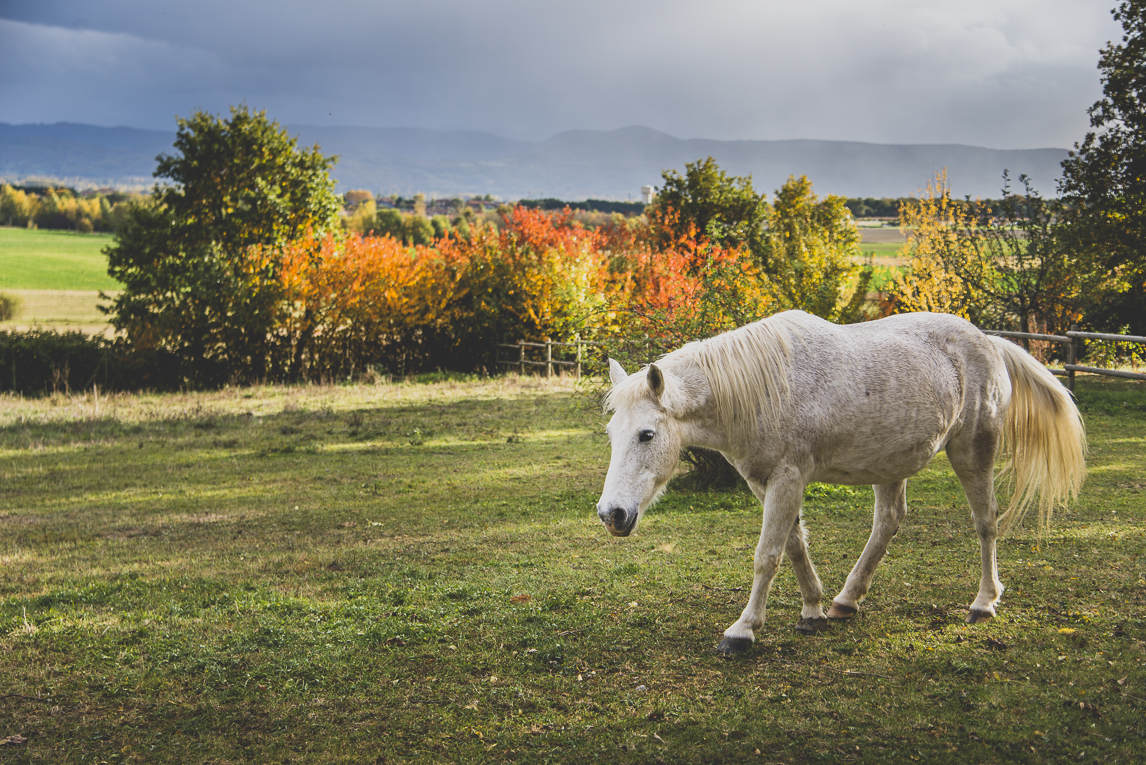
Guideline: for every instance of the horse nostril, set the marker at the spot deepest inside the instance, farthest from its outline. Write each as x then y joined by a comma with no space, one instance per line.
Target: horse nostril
617,517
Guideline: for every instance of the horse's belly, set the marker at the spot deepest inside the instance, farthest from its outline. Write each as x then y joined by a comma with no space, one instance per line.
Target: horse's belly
875,467
860,476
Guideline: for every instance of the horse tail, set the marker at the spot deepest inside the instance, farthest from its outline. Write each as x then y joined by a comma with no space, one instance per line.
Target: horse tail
1043,438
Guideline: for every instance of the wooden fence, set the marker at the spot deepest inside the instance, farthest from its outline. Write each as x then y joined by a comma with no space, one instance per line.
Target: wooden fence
532,355
1075,340
552,355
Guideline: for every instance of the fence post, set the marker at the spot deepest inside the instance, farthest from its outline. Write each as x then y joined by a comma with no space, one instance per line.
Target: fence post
577,340
1072,358
548,358
521,357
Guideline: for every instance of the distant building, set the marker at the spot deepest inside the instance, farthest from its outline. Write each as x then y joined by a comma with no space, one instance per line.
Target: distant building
647,194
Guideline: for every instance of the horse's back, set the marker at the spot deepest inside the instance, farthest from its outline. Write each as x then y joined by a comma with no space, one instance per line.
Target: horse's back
935,355
875,401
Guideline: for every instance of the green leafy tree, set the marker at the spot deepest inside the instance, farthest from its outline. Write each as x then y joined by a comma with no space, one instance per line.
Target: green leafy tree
723,208
408,228
60,209
419,230
812,247
390,222
196,262
360,216
1023,275
1104,180
441,226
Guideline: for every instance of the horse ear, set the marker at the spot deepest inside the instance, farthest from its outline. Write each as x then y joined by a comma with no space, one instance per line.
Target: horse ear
656,381
616,372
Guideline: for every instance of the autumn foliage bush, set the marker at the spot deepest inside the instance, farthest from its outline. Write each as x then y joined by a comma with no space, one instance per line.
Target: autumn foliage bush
350,302
678,286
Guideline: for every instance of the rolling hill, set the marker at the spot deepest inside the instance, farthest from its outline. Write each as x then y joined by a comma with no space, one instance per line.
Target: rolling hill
573,165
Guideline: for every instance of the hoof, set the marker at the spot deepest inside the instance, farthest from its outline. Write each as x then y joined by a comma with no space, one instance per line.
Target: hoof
812,626
840,611
978,616
732,646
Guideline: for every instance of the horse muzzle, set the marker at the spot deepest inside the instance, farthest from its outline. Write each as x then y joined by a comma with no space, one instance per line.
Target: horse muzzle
618,521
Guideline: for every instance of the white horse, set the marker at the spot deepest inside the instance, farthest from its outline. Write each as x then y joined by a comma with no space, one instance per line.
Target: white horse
793,399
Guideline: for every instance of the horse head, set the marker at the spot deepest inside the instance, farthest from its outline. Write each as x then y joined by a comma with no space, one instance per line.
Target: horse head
646,440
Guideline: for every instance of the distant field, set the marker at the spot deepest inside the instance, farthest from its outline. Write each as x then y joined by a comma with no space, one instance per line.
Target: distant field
882,245
881,251
32,259
57,277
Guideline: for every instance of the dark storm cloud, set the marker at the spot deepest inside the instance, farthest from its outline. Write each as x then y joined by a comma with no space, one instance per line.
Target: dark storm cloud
1006,73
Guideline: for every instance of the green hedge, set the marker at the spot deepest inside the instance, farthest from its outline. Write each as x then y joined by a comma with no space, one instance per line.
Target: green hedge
37,362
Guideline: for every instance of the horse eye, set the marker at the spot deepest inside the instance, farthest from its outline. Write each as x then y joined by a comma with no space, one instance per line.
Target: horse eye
646,435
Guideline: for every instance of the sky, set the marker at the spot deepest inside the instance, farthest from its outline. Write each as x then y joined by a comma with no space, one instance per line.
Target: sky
1007,74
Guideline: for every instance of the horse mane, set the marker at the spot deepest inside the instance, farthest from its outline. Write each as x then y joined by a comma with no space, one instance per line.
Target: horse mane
746,369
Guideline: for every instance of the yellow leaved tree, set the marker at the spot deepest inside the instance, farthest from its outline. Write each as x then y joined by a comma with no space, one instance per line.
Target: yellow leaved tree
936,227
1001,264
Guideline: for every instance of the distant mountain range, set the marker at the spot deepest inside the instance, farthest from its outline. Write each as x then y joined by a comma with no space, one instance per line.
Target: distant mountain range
576,165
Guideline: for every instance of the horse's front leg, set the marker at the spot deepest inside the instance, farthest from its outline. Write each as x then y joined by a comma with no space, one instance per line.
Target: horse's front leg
781,499
812,619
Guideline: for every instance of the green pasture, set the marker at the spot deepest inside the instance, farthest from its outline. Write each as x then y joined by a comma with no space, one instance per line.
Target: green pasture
414,572
886,261
35,259
56,277
881,250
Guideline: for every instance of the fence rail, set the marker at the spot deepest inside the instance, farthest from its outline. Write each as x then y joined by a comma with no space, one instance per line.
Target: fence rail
1075,339
543,353
523,361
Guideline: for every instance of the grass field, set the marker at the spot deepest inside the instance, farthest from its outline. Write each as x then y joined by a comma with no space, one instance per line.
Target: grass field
415,572
57,277
882,252
61,310
34,259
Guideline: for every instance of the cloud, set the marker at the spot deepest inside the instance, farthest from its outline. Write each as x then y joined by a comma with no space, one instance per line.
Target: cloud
52,74
1003,73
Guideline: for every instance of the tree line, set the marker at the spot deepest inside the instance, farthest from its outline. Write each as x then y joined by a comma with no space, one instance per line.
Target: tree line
61,207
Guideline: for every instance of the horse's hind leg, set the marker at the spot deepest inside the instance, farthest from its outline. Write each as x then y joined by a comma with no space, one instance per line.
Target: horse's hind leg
812,619
977,475
890,510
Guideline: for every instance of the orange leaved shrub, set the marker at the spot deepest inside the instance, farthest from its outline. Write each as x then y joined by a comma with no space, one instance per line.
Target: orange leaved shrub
351,302
356,301
540,275
681,287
